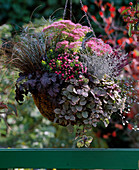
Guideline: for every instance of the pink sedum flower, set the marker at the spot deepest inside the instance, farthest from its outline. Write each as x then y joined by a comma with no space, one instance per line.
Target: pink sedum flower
98,47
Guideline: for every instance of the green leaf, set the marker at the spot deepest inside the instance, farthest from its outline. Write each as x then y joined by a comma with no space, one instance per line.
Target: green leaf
79,108
85,114
85,94
106,122
88,141
67,117
80,143
79,115
83,102
96,81
65,93
72,118
73,109
57,111
75,99
69,96
70,88
70,128
129,30
85,122
79,91
66,106
122,13
12,108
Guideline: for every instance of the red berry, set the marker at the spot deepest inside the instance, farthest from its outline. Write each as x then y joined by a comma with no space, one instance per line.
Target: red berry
114,133
133,32
85,8
128,18
101,14
138,38
130,3
131,21
136,19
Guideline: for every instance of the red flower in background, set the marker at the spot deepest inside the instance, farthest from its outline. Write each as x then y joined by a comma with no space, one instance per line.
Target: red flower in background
108,20
130,126
122,41
112,15
108,4
94,18
98,3
114,134
119,126
112,9
120,10
85,8
101,14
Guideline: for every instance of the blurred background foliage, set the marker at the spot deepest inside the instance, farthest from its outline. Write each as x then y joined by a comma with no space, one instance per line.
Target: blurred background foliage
18,12
29,129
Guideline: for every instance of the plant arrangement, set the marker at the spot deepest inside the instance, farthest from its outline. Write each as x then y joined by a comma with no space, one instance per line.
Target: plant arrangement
73,76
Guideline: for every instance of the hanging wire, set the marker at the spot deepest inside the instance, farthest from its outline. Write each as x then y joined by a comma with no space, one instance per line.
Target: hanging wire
87,18
64,14
65,9
71,10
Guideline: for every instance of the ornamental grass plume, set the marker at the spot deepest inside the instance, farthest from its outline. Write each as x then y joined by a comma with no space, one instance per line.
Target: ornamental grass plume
73,79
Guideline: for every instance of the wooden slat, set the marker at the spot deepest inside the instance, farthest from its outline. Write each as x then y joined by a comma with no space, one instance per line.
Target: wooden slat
70,158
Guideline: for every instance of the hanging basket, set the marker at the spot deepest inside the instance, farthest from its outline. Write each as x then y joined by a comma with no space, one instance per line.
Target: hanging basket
44,105
65,64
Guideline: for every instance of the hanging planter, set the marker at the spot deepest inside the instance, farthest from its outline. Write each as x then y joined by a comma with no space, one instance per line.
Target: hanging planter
72,75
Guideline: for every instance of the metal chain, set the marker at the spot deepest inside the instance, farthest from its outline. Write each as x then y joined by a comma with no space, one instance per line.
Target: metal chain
87,19
71,10
65,9
64,14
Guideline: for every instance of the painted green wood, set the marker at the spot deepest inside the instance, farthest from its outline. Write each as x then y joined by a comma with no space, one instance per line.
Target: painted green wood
70,158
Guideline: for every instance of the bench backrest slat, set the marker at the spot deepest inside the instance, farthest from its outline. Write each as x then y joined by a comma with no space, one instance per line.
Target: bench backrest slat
70,158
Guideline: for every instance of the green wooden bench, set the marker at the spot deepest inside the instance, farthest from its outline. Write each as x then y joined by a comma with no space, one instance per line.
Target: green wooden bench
70,158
